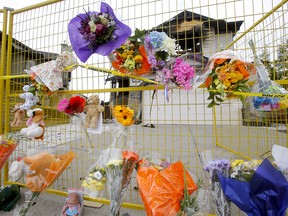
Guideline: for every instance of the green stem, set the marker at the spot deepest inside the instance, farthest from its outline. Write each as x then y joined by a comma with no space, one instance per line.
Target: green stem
28,203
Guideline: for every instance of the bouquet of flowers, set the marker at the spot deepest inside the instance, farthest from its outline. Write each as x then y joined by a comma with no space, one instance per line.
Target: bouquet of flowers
131,57
8,143
162,191
74,105
43,169
227,72
97,32
177,72
124,115
222,205
95,182
267,87
159,48
262,190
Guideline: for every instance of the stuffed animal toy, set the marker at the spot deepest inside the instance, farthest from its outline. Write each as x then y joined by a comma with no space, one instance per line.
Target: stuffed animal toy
93,110
19,115
35,124
30,99
72,206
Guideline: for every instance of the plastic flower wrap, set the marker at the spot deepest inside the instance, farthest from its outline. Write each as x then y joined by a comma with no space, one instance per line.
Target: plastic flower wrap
131,57
177,72
265,194
222,205
227,72
8,143
94,183
267,87
280,155
162,191
43,169
97,32
50,74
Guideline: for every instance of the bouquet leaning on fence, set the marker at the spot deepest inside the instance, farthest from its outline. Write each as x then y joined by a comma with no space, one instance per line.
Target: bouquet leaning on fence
222,205
256,187
8,143
42,169
162,190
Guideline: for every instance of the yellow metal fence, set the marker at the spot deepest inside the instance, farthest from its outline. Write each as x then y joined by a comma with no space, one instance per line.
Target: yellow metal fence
178,129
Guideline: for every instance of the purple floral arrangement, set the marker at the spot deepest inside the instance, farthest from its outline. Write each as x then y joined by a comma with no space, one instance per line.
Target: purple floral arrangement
97,32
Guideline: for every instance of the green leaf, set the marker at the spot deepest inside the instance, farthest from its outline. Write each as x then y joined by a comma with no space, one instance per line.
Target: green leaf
212,104
243,88
219,99
211,96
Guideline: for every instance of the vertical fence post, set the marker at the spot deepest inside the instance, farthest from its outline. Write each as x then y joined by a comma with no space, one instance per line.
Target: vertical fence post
8,83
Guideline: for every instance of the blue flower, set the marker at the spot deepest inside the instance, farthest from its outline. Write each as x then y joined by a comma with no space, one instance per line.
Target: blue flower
156,39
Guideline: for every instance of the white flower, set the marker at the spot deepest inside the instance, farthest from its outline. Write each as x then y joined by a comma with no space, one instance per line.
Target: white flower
115,163
104,20
92,26
169,46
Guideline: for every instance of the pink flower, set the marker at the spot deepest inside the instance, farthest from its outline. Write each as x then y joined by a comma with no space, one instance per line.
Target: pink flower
63,104
183,73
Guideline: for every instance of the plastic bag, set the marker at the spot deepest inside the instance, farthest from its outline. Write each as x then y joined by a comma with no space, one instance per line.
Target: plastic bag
94,183
161,191
266,86
8,143
44,168
226,72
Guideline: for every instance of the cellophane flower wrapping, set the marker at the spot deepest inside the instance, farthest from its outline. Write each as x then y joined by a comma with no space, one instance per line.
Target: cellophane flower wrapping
131,57
42,170
226,72
114,171
8,143
162,191
222,205
94,183
97,32
265,85
280,158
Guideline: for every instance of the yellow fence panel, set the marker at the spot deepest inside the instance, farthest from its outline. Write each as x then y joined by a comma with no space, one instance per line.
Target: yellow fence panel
179,129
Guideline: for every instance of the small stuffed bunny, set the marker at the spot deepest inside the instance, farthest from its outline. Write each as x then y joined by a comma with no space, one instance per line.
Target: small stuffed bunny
30,99
72,206
35,124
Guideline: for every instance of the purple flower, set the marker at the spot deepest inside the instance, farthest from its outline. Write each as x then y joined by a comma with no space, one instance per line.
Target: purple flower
85,44
220,165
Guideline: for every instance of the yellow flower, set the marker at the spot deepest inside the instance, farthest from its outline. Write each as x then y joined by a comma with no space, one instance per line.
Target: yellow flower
239,76
124,115
236,163
118,110
138,59
226,83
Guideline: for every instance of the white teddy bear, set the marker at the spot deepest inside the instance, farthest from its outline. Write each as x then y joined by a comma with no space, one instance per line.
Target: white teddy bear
30,99
35,124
